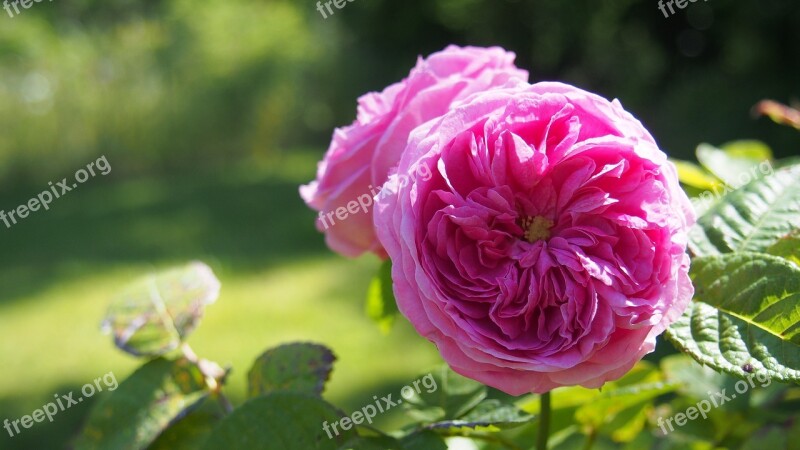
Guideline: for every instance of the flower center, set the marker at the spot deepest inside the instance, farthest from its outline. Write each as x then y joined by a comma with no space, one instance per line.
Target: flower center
536,228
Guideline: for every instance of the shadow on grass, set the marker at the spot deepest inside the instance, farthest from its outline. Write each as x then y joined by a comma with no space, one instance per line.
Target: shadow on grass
240,225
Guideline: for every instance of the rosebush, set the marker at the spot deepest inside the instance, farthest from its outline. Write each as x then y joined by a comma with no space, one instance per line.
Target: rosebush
538,236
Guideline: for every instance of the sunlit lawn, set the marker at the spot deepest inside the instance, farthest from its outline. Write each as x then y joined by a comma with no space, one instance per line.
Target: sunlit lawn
279,284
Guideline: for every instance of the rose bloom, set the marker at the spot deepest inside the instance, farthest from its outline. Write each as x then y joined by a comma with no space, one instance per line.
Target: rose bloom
361,156
549,246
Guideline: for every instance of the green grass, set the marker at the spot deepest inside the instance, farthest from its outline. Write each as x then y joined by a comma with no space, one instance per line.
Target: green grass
279,283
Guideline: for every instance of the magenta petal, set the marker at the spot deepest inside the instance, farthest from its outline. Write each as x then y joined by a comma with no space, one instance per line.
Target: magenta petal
547,245
362,155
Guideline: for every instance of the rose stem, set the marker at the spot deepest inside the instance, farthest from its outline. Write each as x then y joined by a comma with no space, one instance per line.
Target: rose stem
544,422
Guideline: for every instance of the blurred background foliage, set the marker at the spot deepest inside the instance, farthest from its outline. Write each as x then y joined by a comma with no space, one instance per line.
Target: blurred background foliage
212,113
165,86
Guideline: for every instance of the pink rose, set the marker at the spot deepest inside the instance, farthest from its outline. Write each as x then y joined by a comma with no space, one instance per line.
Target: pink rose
548,248
361,156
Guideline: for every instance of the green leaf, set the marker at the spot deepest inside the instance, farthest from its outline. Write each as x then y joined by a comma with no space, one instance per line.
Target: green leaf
568,397
788,247
452,397
756,218
143,405
489,415
372,443
793,435
771,437
752,218
190,433
296,367
760,289
570,438
736,163
693,379
629,422
726,343
423,440
157,313
281,421
620,410
381,305
695,176
643,440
